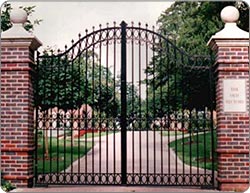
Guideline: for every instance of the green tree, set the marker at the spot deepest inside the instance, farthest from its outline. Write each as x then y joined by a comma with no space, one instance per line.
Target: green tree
5,17
191,24
185,81
132,100
67,83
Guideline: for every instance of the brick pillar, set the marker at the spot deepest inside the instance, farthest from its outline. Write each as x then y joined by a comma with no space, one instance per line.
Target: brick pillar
232,103
17,104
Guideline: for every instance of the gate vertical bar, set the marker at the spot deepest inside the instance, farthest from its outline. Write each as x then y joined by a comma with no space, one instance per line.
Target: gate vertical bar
212,105
123,104
114,95
36,118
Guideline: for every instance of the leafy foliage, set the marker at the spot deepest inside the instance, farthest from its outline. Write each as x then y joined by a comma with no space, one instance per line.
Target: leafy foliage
191,24
6,186
182,80
68,83
5,17
175,81
132,101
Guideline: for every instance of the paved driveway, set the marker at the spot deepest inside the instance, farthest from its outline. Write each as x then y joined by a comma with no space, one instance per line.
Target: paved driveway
113,189
149,153
107,151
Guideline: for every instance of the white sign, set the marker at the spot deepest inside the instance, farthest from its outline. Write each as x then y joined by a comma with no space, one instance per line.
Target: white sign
234,95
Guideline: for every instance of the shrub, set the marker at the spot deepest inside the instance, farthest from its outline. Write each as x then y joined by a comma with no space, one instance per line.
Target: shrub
6,186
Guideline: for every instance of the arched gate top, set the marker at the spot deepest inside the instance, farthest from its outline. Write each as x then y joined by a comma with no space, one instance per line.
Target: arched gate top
108,35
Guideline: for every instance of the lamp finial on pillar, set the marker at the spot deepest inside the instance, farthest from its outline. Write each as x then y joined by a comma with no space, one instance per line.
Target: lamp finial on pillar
230,16
17,17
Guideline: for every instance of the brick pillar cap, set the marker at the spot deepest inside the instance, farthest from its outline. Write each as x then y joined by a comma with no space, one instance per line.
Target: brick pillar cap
231,31
17,33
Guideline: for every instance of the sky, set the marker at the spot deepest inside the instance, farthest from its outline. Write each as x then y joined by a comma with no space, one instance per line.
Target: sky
63,21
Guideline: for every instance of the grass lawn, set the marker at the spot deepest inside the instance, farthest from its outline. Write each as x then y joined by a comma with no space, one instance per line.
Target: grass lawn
171,133
199,151
60,154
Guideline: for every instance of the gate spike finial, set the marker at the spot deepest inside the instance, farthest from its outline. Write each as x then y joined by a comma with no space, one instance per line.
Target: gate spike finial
72,41
66,47
86,31
132,23
79,35
139,24
123,23
100,26
58,50
93,28
146,25
107,24
114,23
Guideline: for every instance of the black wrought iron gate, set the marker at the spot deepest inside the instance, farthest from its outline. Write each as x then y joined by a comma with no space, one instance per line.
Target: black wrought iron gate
124,105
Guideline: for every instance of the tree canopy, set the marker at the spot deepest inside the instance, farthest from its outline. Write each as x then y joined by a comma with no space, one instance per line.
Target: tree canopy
68,83
191,24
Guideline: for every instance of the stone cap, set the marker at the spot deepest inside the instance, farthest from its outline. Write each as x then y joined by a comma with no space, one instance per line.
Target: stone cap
231,31
17,33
